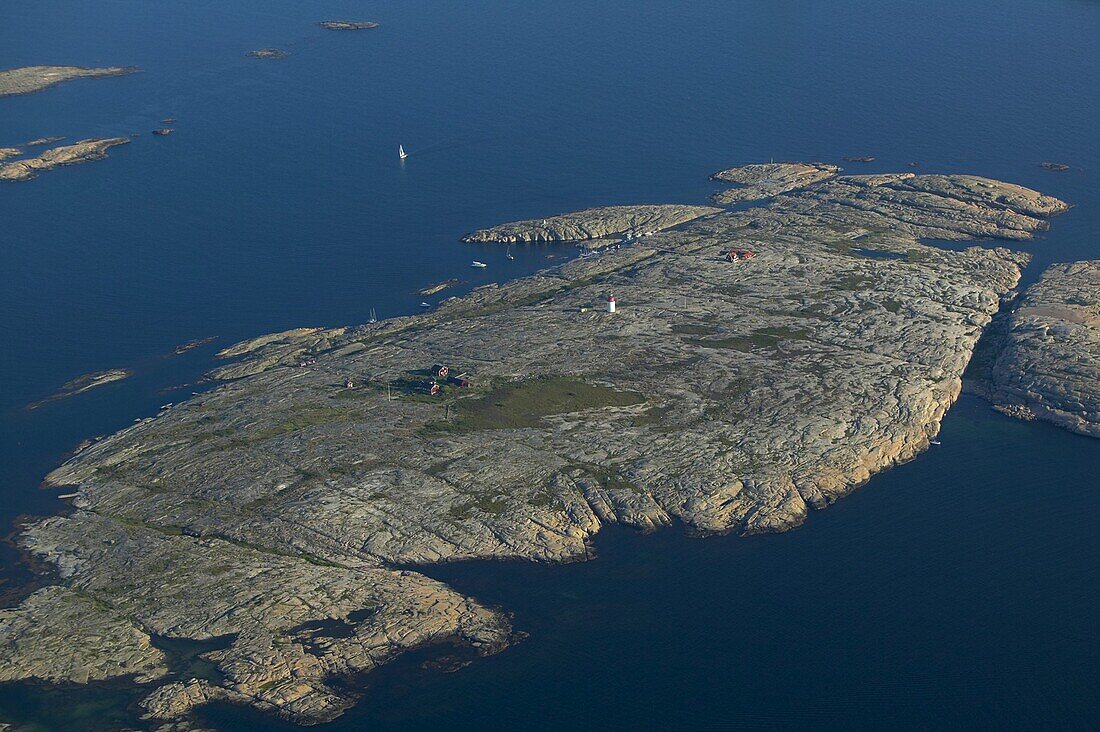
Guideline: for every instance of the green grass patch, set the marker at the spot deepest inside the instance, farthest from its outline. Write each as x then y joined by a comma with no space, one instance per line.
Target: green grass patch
525,403
852,282
695,330
298,420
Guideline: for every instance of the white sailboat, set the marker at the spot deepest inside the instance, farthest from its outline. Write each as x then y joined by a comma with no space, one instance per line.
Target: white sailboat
373,317
508,254
401,154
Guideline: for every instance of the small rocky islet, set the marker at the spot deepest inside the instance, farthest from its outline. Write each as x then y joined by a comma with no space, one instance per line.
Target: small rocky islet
268,53
348,25
83,383
760,363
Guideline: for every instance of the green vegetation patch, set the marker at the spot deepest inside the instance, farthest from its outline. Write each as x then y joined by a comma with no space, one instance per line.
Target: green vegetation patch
692,329
525,403
853,282
295,421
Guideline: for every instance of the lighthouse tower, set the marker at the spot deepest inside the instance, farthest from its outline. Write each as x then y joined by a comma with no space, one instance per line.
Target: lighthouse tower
611,303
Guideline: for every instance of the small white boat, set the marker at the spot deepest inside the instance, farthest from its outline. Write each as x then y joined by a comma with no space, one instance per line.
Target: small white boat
476,263
935,442
425,304
373,317
401,154
508,254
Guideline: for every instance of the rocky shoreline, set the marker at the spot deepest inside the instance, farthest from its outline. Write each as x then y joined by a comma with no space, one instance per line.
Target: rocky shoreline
760,363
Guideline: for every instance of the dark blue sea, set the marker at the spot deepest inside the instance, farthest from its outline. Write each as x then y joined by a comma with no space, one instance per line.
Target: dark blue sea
959,591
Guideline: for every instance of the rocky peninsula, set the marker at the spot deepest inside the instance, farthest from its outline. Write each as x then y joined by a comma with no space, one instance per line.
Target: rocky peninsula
729,393
28,79
80,152
1049,363
592,223
761,180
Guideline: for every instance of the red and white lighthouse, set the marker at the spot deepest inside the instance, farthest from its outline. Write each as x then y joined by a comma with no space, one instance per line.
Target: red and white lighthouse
610,303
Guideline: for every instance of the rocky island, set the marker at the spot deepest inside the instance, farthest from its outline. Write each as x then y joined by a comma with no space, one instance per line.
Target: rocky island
84,383
79,152
28,79
268,53
342,25
760,363
44,141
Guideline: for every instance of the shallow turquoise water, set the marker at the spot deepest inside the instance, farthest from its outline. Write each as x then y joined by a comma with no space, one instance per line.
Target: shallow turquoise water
960,588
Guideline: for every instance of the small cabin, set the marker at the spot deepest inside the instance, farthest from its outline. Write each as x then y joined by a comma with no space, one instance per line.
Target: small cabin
441,370
737,255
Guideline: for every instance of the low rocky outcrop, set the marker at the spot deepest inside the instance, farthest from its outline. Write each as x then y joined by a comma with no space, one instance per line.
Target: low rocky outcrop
81,152
727,394
343,25
438,287
27,79
268,53
44,141
763,180
84,383
1049,367
592,223
9,152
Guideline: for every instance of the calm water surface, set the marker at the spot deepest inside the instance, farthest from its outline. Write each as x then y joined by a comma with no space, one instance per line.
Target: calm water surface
958,590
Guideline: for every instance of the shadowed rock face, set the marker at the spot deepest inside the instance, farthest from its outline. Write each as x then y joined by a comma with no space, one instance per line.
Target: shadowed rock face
81,152
29,79
1050,366
730,396
592,223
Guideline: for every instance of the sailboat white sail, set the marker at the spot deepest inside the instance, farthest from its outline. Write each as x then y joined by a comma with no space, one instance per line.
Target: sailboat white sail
373,317
401,152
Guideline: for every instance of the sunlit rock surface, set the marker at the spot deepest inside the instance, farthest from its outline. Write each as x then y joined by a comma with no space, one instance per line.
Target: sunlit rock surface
733,396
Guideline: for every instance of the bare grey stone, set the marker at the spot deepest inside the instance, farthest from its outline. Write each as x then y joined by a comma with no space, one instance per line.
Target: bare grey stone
1049,368
593,223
